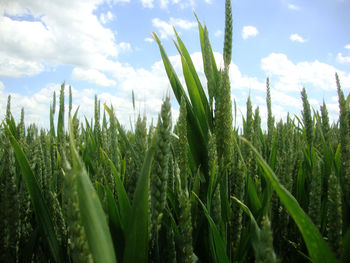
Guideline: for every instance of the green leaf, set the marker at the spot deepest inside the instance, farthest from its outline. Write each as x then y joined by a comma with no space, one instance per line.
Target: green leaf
196,136
124,203
346,245
318,249
115,224
40,208
92,214
197,105
133,99
196,85
203,42
136,243
75,115
173,78
337,158
113,213
253,196
219,244
255,227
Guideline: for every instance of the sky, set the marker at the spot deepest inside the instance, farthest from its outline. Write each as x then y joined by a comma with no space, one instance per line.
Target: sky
105,47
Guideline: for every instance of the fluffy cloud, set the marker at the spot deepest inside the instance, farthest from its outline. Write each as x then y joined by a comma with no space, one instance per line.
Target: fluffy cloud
166,28
16,67
93,76
149,39
343,59
239,81
36,106
182,23
124,46
106,17
347,46
249,31
51,34
151,86
164,4
291,76
297,38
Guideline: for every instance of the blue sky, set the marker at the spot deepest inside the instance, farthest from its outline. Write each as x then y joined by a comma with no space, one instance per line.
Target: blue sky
105,47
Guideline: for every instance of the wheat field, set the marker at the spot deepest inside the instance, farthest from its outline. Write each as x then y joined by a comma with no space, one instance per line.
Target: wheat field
198,190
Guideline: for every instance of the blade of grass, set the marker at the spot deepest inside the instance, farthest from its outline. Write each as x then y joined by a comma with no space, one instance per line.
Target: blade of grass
194,94
195,134
124,203
205,42
136,243
40,208
92,214
318,249
256,229
115,224
199,89
219,244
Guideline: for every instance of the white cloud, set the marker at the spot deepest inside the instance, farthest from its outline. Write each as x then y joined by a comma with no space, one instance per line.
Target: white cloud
297,38
292,76
283,99
164,4
51,39
93,76
249,31
149,39
124,46
343,59
218,33
166,28
147,3
347,46
182,23
106,17
14,67
151,86
240,81
293,7
36,106
118,1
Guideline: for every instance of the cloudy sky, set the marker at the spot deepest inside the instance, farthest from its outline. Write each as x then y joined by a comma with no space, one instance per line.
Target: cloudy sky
105,47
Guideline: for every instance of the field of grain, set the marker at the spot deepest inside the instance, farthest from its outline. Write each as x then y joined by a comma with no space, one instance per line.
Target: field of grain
198,190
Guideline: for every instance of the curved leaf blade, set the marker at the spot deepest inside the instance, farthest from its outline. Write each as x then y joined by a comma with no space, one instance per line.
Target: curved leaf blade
318,249
136,243
220,248
40,208
92,214
196,138
124,203
203,101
